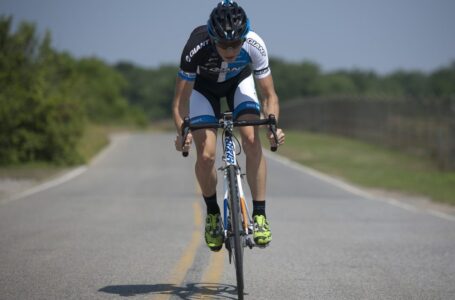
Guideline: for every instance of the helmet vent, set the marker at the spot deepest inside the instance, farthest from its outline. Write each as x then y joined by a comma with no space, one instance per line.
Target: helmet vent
228,21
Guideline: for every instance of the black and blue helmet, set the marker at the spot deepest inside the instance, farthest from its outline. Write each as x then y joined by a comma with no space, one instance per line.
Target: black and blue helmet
228,22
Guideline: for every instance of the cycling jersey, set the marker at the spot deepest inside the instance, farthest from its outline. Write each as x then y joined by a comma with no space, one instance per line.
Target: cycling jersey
201,59
214,78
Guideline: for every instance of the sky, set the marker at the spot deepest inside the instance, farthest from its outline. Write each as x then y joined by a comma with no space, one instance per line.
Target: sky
377,35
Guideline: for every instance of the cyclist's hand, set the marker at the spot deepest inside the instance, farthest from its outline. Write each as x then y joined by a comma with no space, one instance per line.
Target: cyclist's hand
178,142
279,134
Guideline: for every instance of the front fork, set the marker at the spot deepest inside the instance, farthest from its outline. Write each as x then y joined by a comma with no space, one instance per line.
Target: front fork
247,221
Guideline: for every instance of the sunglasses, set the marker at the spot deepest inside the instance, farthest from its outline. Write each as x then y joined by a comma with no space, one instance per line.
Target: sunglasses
226,45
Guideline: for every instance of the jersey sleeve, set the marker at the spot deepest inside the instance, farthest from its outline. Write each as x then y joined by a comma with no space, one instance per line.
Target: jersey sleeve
259,55
188,67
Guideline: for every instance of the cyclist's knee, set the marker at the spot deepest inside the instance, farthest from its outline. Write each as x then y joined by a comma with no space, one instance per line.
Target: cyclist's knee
250,136
205,141
251,144
205,160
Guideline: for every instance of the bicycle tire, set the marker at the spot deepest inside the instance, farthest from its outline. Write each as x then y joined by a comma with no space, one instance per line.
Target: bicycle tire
236,223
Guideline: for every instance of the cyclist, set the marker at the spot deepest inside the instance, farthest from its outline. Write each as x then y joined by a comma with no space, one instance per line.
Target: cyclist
219,60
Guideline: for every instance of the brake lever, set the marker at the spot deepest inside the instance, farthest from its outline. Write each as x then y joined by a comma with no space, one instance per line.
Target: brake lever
272,127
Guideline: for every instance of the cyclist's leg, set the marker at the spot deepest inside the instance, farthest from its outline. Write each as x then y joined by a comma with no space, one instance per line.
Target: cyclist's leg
201,111
246,107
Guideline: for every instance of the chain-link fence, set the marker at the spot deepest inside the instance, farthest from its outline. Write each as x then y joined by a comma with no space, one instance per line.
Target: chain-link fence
425,126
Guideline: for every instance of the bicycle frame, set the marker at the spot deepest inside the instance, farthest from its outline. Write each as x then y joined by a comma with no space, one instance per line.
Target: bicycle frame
230,159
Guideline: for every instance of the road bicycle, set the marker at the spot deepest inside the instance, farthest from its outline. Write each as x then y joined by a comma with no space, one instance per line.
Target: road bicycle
237,221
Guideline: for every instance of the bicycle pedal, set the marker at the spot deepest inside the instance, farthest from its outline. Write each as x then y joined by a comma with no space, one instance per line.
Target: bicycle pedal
250,243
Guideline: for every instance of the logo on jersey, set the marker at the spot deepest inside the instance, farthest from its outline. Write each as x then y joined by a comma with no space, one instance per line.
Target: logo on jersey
196,50
256,45
221,70
261,72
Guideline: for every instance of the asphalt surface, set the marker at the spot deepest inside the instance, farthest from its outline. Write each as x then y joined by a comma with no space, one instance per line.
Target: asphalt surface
130,226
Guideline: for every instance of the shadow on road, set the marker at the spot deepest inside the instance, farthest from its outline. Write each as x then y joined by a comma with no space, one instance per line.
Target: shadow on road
189,291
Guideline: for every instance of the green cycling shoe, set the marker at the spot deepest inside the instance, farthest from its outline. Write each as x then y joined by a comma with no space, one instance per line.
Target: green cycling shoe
214,232
261,235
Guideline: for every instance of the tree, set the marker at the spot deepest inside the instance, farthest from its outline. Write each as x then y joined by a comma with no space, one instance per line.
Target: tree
150,89
442,82
295,80
35,123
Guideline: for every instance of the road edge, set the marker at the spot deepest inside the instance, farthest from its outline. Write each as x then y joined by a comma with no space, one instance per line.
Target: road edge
359,191
57,180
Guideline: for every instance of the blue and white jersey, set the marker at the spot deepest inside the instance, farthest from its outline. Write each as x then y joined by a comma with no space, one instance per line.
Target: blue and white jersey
200,58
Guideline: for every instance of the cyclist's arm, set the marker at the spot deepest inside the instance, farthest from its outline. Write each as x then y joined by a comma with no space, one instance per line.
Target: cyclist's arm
180,105
271,106
270,103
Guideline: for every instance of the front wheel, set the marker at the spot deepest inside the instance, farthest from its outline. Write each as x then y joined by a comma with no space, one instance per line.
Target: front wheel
236,223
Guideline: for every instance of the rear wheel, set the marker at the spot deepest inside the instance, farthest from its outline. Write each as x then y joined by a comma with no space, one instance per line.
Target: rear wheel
236,223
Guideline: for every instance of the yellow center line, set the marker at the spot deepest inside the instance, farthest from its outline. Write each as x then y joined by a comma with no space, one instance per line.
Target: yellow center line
186,261
215,269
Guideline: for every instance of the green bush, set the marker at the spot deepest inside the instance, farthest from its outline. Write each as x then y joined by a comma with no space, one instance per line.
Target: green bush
37,122
47,97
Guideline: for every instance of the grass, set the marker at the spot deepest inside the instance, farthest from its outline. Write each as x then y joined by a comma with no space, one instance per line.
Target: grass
95,138
370,165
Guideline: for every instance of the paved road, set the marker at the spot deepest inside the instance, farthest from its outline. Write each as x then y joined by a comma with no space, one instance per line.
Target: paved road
130,226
